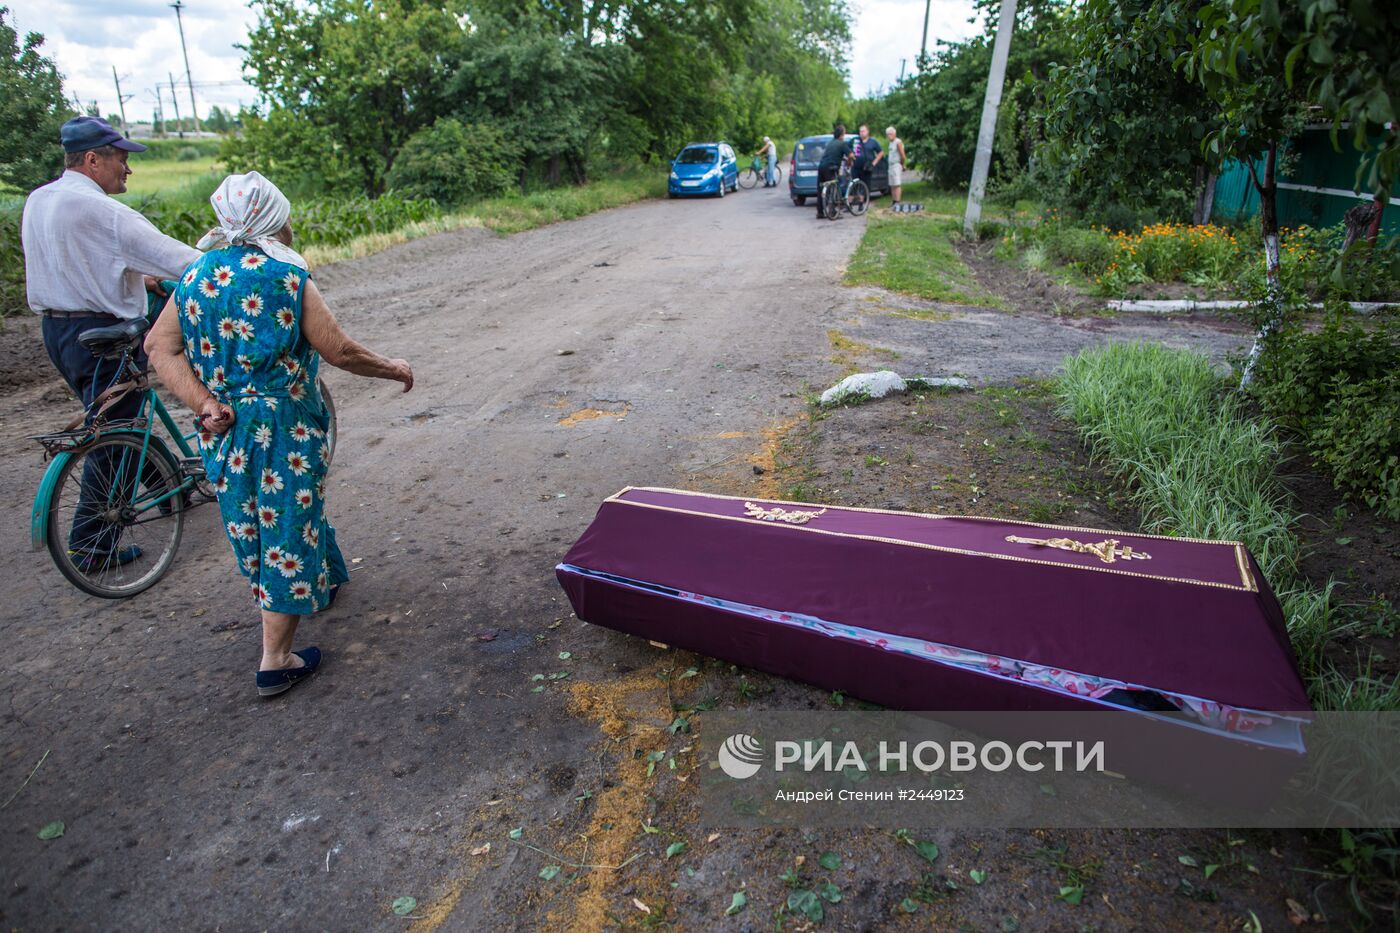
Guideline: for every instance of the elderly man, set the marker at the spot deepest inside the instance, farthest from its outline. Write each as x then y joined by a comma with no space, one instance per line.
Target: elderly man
88,262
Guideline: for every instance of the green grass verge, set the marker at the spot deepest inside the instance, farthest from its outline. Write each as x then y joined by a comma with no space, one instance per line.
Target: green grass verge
506,215
176,196
914,254
516,213
1199,466
161,176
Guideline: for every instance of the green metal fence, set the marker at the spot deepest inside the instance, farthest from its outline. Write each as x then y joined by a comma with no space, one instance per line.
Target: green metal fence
1315,187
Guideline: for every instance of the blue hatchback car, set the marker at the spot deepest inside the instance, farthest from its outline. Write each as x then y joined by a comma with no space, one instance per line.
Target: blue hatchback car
704,168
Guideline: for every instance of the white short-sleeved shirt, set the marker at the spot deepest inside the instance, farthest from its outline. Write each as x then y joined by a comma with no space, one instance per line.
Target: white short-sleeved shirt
85,251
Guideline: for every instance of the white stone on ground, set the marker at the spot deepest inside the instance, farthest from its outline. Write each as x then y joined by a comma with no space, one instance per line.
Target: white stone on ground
882,383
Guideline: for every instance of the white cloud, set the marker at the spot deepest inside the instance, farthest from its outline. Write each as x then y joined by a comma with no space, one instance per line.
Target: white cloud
87,39
886,31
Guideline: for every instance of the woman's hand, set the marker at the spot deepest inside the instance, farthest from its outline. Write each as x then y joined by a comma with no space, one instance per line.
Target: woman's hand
402,372
215,416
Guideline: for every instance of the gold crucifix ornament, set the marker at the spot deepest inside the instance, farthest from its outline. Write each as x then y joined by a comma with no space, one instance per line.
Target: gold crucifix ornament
1107,551
776,514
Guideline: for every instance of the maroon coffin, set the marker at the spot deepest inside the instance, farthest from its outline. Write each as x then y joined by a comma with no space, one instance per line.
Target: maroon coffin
934,612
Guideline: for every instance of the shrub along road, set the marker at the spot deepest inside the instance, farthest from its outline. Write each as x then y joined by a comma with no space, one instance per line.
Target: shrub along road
637,346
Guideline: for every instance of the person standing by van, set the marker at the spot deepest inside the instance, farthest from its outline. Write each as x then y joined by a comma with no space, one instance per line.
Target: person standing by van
895,164
868,155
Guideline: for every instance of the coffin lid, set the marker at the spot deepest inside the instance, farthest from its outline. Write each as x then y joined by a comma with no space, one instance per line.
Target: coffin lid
1181,615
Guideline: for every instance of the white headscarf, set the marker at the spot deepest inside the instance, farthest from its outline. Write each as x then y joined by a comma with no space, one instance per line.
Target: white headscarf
250,210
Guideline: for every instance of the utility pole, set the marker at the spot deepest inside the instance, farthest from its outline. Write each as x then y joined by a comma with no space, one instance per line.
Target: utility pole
179,124
923,49
177,6
901,69
121,102
160,112
982,161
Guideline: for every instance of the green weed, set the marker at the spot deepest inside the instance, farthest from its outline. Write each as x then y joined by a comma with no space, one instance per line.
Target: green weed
914,254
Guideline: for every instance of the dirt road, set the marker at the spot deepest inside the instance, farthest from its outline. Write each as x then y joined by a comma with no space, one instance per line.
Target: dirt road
649,345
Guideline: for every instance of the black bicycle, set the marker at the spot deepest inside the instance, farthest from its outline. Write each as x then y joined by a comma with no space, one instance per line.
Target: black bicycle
844,191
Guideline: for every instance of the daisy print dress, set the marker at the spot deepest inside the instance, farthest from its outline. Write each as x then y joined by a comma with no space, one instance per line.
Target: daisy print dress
240,315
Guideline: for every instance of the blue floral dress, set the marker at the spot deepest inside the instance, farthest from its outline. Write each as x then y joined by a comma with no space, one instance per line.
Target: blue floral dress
240,314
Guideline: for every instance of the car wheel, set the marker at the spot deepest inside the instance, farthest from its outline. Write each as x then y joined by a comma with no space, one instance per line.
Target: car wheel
799,200
722,186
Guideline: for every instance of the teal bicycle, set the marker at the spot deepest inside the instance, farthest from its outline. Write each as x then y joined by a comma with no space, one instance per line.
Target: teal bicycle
111,506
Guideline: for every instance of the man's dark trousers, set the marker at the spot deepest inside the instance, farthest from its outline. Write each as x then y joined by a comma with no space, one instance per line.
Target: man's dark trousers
89,376
825,173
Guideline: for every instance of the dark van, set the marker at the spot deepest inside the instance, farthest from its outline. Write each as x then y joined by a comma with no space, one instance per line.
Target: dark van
807,155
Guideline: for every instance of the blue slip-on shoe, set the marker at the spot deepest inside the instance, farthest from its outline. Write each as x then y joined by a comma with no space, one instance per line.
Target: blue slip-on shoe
271,683
89,562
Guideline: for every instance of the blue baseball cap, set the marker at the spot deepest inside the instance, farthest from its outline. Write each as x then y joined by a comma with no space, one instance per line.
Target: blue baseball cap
83,133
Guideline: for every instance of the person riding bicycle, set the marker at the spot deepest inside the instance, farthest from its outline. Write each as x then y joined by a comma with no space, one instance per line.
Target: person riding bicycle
89,261
769,150
836,155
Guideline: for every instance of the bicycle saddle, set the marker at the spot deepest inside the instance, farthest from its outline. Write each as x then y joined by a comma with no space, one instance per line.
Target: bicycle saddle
114,339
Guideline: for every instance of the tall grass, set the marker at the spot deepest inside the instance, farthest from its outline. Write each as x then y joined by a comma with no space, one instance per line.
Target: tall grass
1198,466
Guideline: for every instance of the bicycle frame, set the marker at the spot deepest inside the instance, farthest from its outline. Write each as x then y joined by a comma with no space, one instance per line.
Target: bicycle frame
152,409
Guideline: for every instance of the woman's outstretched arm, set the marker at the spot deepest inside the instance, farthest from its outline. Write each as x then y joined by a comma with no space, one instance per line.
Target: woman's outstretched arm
336,347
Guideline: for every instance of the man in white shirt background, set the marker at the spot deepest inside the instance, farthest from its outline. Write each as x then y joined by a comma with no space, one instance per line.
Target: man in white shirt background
88,262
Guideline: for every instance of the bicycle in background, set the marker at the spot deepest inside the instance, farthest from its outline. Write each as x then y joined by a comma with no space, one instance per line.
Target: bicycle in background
757,171
844,191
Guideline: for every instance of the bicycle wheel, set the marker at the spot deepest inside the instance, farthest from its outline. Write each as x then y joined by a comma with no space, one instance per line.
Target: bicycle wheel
857,197
777,175
330,412
831,201
748,179
100,514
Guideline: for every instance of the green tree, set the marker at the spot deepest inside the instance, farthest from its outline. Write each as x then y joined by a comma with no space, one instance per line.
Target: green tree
1238,53
32,109
938,109
1123,123
363,74
1344,53
444,162
549,94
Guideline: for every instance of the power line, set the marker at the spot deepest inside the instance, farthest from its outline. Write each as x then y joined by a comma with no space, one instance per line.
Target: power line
177,6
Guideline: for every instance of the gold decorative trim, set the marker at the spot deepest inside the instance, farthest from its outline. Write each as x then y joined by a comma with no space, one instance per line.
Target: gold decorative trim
780,515
1247,586
972,518
1108,550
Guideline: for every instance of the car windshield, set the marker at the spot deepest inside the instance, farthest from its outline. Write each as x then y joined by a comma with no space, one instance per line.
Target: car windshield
811,150
697,155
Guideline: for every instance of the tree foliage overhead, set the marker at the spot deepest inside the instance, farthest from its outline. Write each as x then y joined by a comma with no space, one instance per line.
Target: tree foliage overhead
1124,123
32,109
569,84
369,73
938,110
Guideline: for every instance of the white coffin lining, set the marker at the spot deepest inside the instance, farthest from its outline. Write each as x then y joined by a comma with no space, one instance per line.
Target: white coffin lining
1277,730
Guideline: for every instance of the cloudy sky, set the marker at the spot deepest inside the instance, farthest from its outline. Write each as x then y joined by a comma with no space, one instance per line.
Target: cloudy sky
87,39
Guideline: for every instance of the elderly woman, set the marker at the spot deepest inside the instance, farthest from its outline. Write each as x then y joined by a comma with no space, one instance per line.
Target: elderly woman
239,342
